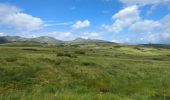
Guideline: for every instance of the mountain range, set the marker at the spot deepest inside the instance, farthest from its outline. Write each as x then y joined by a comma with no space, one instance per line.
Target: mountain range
47,40
50,40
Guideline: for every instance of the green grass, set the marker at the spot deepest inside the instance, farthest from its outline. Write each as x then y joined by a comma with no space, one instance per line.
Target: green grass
84,72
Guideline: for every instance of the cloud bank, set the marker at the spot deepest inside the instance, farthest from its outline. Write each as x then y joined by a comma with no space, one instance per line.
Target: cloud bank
140,30
123,18
143,2
12,16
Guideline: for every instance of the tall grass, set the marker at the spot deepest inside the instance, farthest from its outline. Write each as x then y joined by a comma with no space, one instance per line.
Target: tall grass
84,72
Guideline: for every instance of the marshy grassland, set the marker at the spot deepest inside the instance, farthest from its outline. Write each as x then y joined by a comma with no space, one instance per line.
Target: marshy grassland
84,72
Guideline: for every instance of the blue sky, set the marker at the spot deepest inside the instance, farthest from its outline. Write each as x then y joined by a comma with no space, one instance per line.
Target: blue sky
124,21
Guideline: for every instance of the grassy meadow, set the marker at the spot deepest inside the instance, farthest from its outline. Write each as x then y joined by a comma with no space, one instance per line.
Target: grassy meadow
84,72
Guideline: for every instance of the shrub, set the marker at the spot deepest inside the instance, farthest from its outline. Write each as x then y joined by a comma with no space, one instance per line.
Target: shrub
116,55
30,49
137,48
66,54
106,55
58,62
156,58
61,45
89,64
104,90
79,52
63,54
168,55
13,59
117,46
75,45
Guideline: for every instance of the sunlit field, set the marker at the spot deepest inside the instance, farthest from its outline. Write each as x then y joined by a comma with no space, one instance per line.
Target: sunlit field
84,72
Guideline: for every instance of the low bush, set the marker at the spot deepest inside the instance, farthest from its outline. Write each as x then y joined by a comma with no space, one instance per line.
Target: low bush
13,59
168,55
117,46
65,54
137,48
116,55
80,52
30,49
89,64
58,62
104,90
61,45
157,59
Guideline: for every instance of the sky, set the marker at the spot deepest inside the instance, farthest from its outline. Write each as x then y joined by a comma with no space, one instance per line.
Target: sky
122,21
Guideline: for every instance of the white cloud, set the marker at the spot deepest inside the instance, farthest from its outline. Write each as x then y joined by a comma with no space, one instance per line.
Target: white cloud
143,2
65,35
123,18
81,24
91,35
166,22
166,36
116,41
58,24
165,28
145,26
153,4
60,35
147,30
152,8
2,34
12,16
154,31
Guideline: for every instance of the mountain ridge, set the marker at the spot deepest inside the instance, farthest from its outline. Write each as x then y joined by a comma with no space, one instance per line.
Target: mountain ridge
48,40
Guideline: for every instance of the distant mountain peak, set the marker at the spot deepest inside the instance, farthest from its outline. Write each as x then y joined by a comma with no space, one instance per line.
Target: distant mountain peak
83,40
79,38
47,39
41,39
